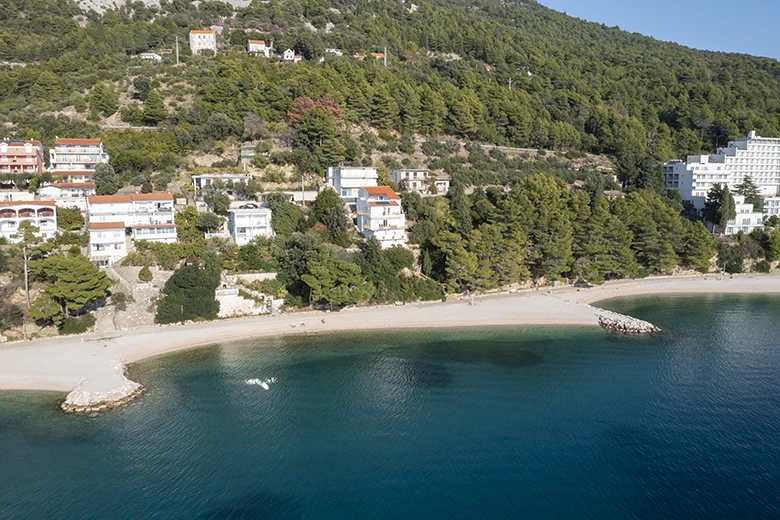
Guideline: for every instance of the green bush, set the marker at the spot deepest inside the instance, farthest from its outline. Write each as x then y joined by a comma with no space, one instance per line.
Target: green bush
78,325
762,267
10,316
145,274
119,300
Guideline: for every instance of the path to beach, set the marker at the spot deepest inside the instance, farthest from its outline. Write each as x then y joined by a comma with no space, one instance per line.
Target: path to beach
91,361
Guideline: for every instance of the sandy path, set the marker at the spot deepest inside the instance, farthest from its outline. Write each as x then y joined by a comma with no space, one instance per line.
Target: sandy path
59,364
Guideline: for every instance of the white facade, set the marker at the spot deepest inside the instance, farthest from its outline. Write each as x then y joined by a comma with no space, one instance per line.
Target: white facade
76,158
336,52
150,56
746,220
40,213
379,214
347,181
149,216
752,156
203,40
68,194
245,225
419,180
107,242
199,182
259,47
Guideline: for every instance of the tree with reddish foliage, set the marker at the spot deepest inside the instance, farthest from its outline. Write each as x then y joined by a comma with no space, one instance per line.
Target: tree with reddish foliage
302,105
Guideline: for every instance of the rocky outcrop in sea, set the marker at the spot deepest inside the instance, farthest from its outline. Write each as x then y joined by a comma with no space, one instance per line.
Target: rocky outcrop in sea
85,401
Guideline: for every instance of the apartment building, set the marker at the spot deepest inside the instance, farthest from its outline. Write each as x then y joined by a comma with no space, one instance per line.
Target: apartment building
208,180
247,224
379,214
40,213
74,160
752,156
203,40
347,181
148,216
21,156
746,220
107,242
68,194
421,181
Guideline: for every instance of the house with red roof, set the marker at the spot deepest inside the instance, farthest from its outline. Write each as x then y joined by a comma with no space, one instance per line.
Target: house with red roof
74,160
17,156
379,214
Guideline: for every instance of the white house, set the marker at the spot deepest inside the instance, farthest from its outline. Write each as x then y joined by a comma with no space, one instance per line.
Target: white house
150,56
379,214
289,55
752,156
245,225
40,213
336,52
347,180
259,47
204,181
201,40
107,242
68,194
419,180
746,220
149,216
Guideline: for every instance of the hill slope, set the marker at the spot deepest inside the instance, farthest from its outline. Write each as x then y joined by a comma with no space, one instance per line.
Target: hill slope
575,85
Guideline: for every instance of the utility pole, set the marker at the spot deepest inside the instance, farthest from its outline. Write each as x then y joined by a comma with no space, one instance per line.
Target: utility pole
303,193
510,83
177,50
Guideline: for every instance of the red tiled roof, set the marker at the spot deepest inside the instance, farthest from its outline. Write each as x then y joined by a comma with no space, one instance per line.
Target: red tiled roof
257,42
105,199
391,203
106,225
152,196
77,141
27,203
381,191
199,31
19,142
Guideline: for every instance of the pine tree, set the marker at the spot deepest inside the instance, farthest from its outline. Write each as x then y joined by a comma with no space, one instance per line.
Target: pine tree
336,281
384,110
750,191
728,209
75,281
699,247
154,109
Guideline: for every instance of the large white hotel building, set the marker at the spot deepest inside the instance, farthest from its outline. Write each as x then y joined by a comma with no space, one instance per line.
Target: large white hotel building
752,156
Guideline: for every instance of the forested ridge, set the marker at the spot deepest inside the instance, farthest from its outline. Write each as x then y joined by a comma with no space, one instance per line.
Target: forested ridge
576,85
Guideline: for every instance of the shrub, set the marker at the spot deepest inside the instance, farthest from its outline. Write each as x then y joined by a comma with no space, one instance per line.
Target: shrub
145,274
10,316
119,300
78,325
762,267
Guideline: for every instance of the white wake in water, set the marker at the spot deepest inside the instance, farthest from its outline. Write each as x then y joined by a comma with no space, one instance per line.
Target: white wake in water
265,383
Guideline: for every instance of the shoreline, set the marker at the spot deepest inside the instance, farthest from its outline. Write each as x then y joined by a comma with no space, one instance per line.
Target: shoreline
91,367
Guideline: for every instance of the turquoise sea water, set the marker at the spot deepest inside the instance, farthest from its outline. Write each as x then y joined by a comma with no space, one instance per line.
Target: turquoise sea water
503,423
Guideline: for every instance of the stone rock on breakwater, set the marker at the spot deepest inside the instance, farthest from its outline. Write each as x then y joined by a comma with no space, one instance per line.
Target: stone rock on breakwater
84,401
626,324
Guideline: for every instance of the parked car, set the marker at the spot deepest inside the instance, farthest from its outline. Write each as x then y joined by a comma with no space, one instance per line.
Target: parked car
248,206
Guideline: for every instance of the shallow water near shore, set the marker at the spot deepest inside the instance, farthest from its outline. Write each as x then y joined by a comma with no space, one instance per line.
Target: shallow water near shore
489,423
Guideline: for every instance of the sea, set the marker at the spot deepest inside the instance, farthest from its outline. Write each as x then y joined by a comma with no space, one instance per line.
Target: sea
531,422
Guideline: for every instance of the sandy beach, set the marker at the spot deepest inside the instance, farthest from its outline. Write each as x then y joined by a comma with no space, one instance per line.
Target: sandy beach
90,361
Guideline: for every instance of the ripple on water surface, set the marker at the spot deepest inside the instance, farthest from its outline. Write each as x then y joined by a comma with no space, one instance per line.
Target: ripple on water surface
500,423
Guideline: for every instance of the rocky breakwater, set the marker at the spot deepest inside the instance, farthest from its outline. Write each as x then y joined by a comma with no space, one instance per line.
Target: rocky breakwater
615,322
82,400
